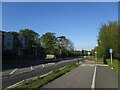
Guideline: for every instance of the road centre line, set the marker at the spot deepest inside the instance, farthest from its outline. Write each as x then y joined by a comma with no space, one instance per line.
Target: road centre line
13,71
93,80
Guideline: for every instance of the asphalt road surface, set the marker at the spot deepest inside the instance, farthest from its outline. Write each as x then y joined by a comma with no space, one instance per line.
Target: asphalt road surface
6,82
80,77
89,76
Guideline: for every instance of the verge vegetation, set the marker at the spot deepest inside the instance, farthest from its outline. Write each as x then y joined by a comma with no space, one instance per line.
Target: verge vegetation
115,64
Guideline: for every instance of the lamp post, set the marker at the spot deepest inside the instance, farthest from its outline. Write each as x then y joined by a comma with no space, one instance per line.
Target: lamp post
96,55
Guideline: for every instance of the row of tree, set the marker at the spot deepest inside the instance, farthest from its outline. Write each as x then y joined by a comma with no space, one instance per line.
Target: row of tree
108,38
48,43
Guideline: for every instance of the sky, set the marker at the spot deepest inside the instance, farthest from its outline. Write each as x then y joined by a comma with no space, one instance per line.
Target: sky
78,21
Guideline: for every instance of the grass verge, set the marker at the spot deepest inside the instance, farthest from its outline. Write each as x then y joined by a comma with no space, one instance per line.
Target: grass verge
40,81
115,65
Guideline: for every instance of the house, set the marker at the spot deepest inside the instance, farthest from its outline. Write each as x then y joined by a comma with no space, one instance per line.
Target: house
8,41
22,41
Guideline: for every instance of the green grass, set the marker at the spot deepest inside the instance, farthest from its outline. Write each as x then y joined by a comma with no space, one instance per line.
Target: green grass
115,64
40,81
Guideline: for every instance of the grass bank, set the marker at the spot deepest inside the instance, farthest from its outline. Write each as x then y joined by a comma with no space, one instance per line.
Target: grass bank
115,65
40,81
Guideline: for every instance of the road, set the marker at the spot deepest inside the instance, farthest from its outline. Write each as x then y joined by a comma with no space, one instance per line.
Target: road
89,76
10,80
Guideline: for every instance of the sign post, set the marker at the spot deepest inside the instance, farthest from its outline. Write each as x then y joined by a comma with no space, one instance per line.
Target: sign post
111,51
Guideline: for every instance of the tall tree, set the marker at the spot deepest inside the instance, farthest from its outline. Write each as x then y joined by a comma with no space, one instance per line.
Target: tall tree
32,37
108,38
16,42
65,45
48,41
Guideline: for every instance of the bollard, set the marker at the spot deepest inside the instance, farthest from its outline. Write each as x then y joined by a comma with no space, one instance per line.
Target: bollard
104,59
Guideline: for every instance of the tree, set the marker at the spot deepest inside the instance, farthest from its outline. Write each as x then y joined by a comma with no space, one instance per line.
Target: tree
16,42
65,45
32,37
48,41
108,38
56,45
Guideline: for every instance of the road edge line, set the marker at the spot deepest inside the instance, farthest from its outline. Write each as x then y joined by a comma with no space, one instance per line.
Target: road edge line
93,80
17,84
14,85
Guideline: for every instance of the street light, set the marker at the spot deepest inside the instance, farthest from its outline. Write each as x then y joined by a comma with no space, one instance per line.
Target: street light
96,55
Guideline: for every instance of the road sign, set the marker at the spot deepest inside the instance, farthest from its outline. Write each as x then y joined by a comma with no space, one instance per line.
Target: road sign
110,50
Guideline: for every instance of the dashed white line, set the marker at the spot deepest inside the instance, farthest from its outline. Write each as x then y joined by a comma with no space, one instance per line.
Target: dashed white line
13,71
93,80
43,65
51,63
31,68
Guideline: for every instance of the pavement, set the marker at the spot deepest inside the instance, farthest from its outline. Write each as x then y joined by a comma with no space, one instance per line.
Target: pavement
91,75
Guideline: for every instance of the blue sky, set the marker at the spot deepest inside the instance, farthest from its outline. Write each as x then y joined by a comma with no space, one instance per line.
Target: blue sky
80,22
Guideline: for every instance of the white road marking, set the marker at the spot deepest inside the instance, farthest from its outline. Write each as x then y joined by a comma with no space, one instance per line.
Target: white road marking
18,83
51,63
46,74
101,65
13,71
43,65
87,65
83,65
31,68
91,65
62,68
93,81
14,85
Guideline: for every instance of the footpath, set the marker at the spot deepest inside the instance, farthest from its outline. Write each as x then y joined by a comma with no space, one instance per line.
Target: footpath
89,75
